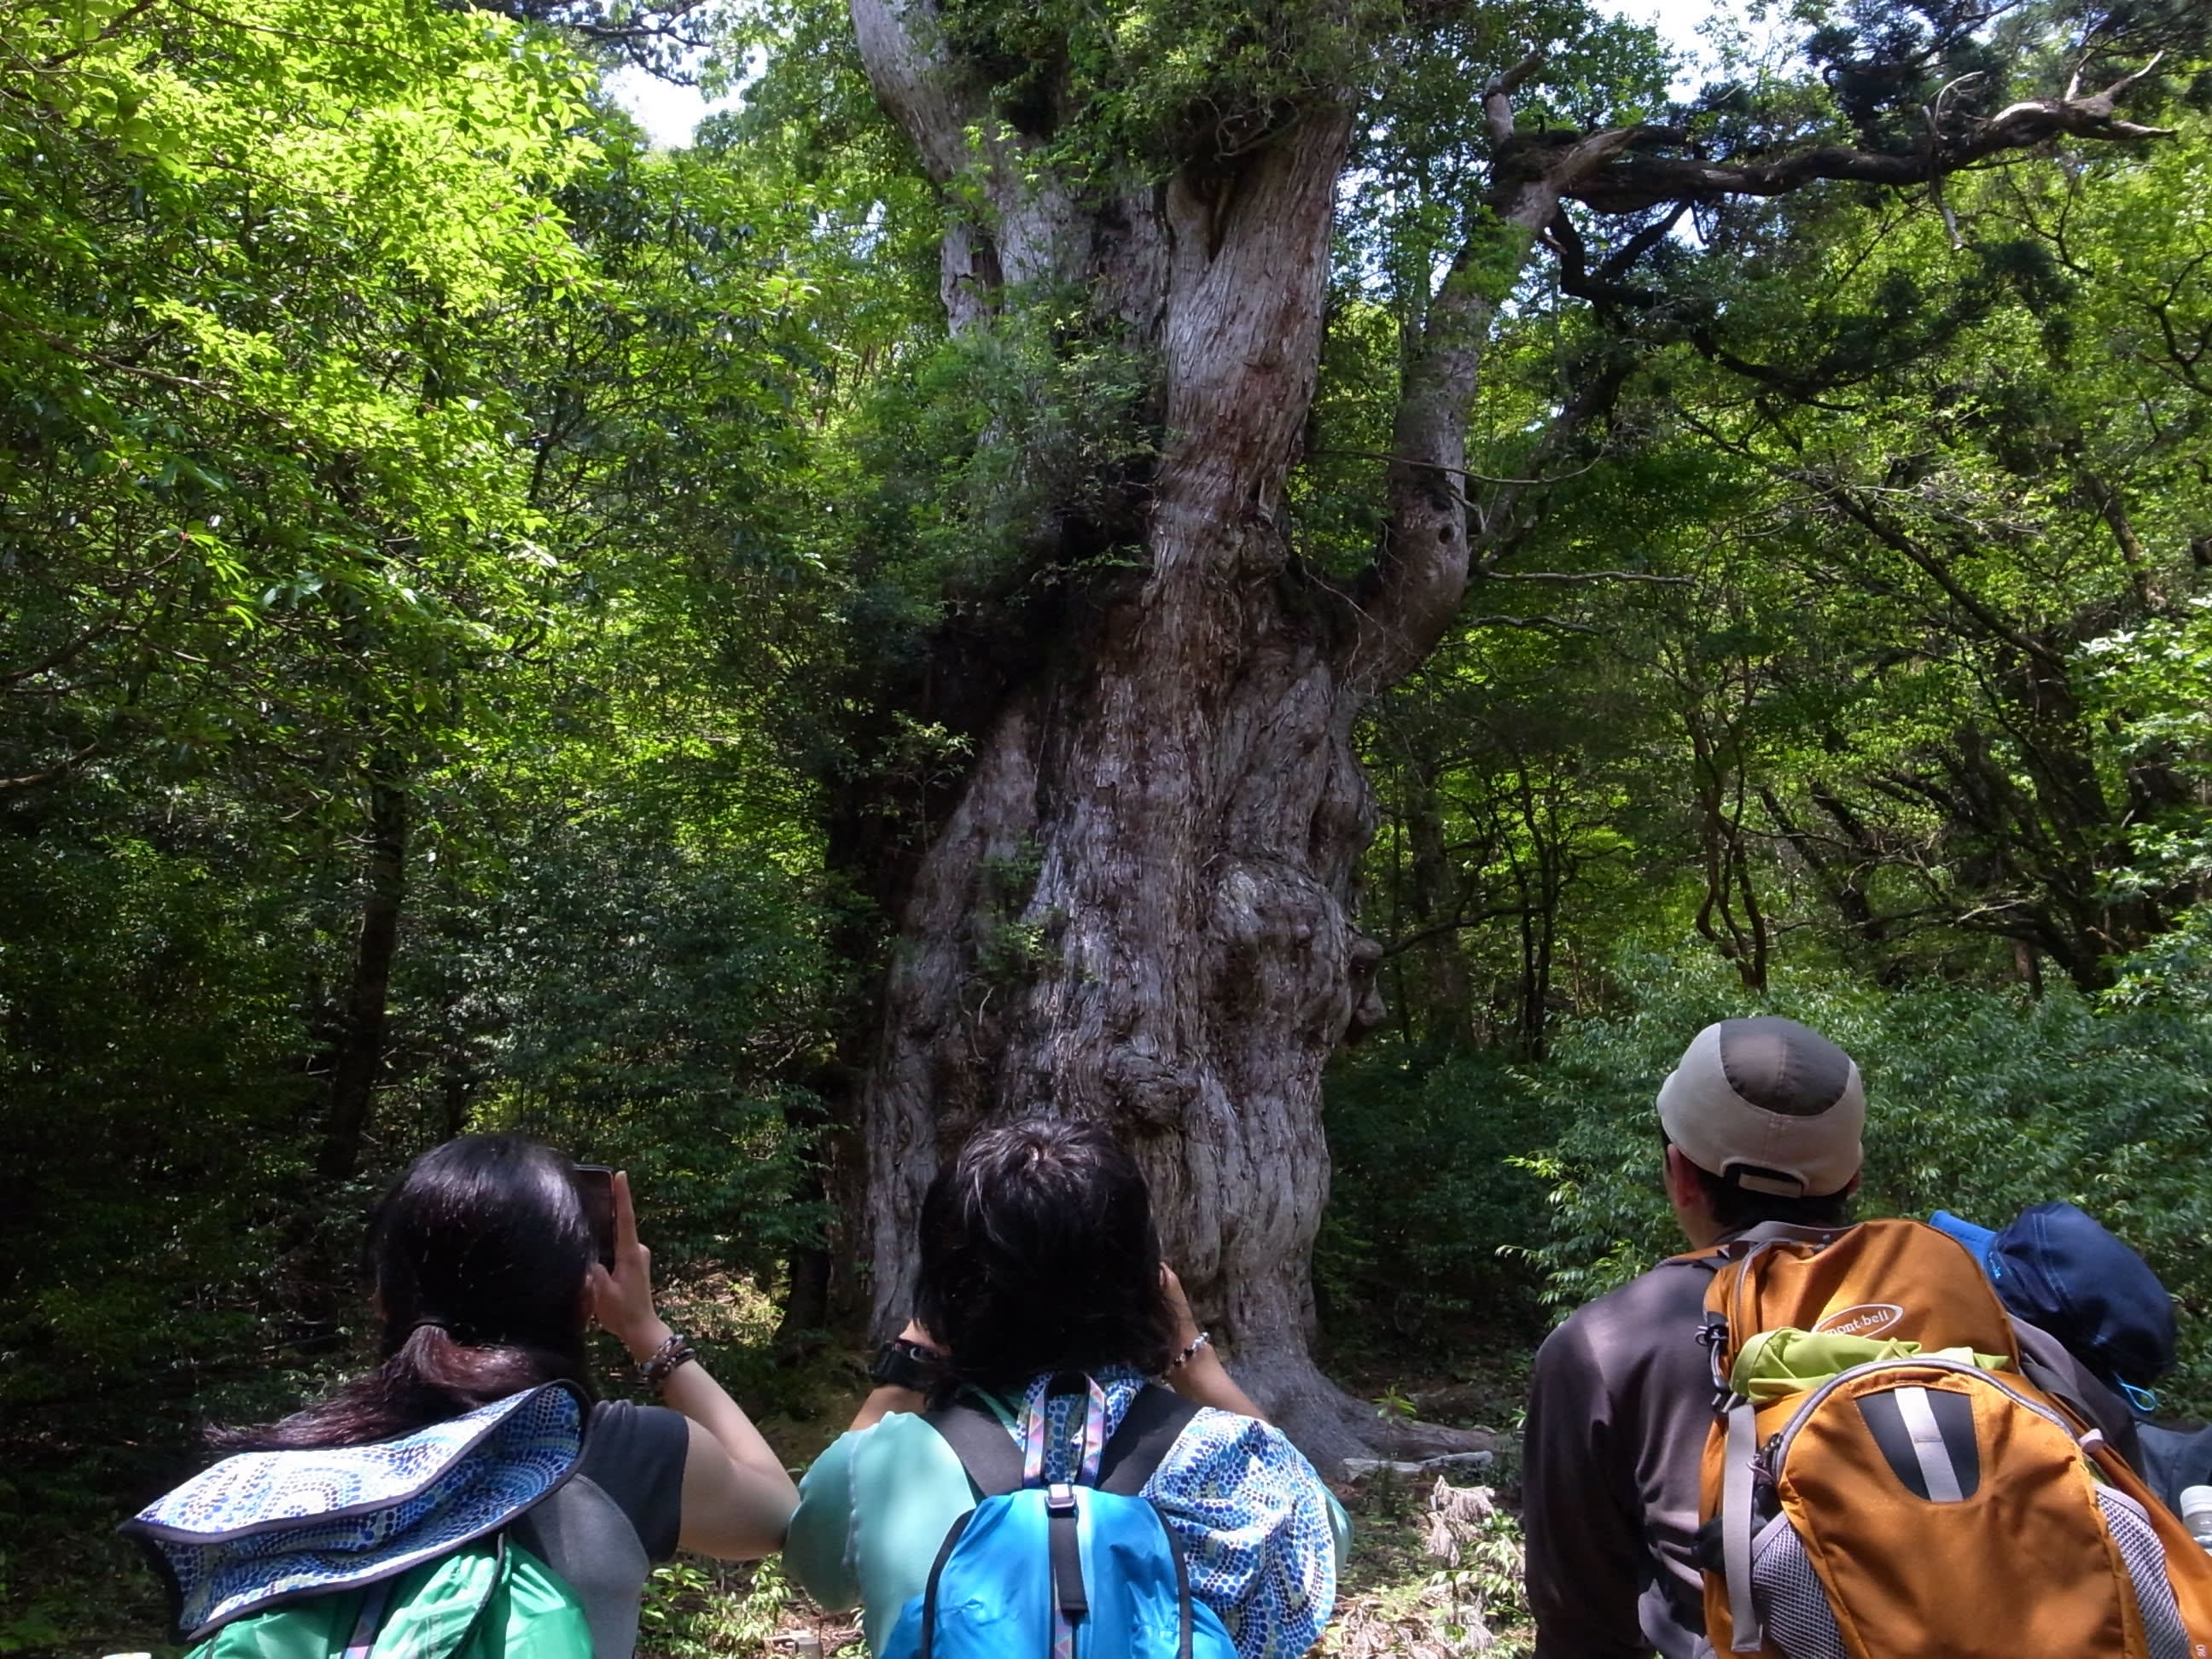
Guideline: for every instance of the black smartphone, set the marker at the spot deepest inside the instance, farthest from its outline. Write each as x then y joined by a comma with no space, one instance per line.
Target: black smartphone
596,1182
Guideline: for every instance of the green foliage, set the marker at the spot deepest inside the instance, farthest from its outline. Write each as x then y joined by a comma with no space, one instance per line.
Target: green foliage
2153,686
1424,1201
1902,671
694,1608
967,465
1136,88
1979,1102
374,417
654,1000
147,1125
255,288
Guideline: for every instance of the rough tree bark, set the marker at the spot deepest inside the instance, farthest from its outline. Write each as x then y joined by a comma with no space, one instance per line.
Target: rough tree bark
1139,904
1181,777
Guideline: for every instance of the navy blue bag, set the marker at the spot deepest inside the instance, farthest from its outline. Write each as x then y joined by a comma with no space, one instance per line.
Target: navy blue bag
2057,1267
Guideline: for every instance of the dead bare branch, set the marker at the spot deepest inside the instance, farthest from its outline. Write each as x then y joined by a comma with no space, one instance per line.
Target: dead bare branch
1558,622
1497,97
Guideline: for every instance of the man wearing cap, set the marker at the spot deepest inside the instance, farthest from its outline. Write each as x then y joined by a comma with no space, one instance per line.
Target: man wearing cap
1762,1119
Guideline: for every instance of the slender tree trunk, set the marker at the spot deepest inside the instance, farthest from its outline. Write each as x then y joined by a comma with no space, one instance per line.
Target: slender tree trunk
1435,901
1540,912
808,1269
358,1059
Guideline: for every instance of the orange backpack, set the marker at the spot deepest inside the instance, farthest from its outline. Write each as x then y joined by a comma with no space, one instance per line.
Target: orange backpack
1916,1504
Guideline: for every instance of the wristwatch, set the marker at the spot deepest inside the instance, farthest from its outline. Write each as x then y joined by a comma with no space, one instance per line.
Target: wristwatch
903,1364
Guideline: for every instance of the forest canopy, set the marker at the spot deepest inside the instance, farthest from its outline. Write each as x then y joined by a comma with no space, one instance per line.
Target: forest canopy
1325,583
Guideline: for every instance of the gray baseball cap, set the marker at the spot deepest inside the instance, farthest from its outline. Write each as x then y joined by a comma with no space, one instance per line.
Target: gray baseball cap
1771,1104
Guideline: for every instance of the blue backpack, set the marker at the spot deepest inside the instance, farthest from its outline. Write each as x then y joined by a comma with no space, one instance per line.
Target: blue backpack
1066,1570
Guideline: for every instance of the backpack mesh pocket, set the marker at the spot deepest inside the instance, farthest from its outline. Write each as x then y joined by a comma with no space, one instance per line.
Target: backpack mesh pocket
2164,1634
1790,1597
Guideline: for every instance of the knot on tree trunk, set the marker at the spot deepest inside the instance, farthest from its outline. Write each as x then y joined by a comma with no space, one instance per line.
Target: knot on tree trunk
1152,1093
1369,1011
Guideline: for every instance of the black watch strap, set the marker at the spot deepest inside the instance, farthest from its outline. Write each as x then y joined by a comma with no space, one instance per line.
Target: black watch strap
903,1364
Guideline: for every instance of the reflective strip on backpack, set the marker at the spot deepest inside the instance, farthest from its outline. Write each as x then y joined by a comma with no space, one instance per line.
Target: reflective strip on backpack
1936,1469
1735,1526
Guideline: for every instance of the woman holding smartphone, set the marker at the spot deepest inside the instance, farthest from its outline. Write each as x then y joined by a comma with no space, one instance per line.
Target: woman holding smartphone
486,1281
1039,1264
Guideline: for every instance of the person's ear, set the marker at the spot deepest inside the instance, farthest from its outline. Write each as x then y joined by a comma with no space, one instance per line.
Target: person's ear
1684,1190
1694,1211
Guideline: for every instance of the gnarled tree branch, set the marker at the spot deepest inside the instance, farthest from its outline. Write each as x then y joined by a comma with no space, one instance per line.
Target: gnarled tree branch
1409,595
1635,180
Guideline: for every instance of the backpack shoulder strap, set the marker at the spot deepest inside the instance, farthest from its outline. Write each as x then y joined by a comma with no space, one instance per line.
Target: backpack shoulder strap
981,1443
1712,1258
1155,1420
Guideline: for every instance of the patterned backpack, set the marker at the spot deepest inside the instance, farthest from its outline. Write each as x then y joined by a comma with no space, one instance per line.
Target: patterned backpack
396,1549
1883,1481
1085,1569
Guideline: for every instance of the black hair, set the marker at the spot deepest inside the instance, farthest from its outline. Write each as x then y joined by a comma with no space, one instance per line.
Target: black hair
1736,1208
479,1255
1038,1255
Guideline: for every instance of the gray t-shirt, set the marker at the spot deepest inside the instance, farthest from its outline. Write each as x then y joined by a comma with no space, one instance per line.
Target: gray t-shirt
614,1517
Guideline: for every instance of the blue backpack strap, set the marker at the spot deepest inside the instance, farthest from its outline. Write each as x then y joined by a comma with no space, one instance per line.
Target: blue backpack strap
1063,1535
1064,1541
1149,1428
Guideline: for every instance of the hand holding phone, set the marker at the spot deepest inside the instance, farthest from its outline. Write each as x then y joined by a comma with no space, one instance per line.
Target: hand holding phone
622,1294
595,1183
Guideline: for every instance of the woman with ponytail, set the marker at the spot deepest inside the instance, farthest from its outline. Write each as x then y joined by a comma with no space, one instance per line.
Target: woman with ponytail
485,1282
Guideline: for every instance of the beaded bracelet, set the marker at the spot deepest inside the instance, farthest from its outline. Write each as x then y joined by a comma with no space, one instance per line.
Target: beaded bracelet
666,1358
1191,1352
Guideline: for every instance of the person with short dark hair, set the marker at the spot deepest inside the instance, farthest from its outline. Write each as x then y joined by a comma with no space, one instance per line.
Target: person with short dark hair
1038,1258
485,1275
1762,1121
1037,1254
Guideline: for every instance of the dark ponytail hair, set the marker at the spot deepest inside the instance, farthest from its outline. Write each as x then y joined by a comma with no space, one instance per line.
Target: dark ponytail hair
479,1257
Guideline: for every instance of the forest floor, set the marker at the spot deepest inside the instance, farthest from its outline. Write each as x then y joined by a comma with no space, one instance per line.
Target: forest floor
1415,1585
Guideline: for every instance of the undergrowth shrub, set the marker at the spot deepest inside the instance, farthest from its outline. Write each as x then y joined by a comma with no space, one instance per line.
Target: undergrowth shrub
1424,1199
654,1003
1980,1102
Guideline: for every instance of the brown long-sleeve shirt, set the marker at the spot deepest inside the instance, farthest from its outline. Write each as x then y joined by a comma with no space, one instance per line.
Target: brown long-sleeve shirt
1619,1407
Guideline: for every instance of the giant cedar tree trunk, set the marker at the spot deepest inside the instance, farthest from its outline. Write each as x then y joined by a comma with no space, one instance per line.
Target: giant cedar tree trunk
1183,777
1179,771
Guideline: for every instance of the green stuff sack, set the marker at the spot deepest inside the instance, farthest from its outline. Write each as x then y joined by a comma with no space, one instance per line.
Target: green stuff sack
489,1599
